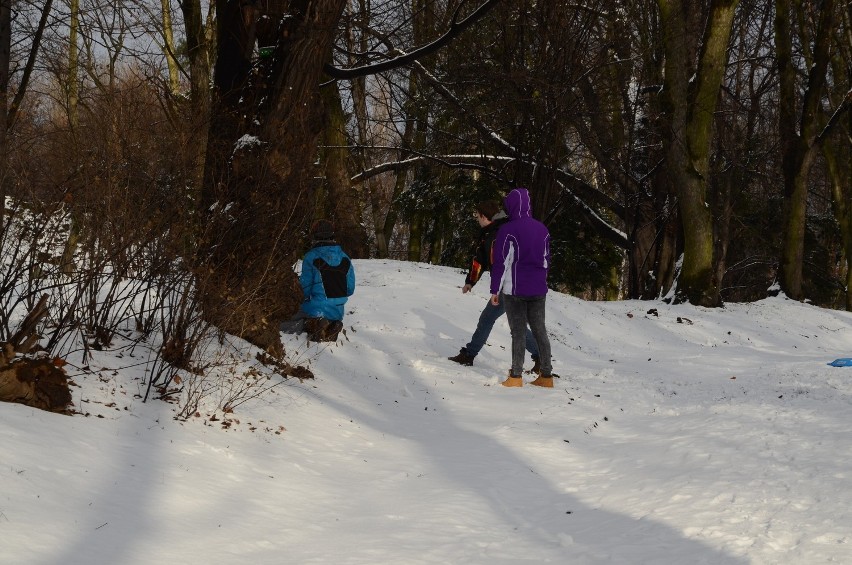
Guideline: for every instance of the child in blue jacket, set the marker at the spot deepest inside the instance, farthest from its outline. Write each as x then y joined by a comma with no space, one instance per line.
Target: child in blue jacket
327,280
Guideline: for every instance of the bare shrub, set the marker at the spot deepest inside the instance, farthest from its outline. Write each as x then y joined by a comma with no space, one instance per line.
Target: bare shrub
103,218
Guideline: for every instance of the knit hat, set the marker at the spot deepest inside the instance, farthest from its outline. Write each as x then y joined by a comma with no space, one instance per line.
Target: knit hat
322,229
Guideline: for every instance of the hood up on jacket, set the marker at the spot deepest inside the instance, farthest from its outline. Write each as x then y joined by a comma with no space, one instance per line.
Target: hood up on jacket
521,251
517,204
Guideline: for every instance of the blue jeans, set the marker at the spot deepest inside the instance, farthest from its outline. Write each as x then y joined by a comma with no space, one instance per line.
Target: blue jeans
525,313
483,329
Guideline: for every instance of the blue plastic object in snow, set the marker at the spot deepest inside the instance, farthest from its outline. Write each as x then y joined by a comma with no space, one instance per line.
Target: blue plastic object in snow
842,362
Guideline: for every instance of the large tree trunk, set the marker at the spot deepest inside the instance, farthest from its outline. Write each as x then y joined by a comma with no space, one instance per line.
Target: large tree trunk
838,160
169,47
415,235
197,51
654,234
840,201
72,104
692,96
340,201
799,134
259,179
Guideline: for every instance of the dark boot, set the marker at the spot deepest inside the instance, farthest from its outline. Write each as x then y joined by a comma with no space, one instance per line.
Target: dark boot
463,358
315,328
536,368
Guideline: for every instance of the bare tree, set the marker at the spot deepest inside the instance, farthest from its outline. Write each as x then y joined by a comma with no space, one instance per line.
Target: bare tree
198,49
259,180
837,147
5,71
169,45
9,106
800,127
694,72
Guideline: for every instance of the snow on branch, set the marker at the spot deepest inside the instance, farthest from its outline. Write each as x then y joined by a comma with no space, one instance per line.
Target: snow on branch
483,130
402,59
580,190
603,227
844,106
478,162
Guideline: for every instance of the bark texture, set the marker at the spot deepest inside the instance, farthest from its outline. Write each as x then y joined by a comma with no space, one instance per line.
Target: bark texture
260,175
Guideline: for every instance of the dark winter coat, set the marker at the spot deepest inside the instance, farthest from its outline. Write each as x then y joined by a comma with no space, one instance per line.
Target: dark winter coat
521,256
328,280
481,261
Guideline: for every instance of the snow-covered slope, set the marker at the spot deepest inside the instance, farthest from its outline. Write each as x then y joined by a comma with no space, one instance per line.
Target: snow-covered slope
687,436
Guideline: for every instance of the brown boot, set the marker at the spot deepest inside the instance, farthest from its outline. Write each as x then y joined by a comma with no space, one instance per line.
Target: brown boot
332,330
315,328
545,381
513,381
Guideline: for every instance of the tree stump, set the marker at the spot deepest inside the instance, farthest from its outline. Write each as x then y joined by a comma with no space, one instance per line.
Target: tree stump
29,380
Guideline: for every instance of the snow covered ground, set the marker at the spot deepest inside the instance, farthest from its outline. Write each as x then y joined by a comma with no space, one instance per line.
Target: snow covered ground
687,436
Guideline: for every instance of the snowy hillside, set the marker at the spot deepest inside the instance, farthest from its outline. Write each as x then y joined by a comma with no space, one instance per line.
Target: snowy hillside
675,435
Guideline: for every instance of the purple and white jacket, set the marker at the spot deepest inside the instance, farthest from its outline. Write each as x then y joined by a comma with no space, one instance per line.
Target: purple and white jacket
521,253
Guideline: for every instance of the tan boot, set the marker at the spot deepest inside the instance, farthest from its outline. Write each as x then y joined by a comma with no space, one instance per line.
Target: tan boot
513,381
545,381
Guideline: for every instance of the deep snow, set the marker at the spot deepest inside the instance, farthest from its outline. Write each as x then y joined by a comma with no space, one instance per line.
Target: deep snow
721,438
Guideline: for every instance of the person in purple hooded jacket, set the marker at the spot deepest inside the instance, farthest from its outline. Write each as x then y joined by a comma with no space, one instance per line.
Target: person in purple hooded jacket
519,266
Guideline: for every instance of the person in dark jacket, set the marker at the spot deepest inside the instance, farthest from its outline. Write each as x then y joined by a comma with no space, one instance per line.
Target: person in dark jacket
327,281
490,216
520,264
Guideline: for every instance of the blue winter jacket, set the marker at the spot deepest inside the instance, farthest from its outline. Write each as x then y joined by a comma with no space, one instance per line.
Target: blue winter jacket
328,280
521,252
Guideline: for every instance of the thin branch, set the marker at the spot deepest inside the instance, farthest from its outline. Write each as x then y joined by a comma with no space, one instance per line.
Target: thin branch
455,161
844,106
587,190
28,69
456,28
591,216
